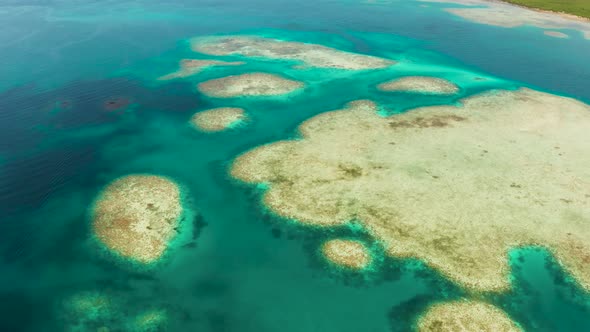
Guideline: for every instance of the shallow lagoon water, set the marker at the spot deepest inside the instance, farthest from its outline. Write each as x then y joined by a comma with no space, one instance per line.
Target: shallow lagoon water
238,267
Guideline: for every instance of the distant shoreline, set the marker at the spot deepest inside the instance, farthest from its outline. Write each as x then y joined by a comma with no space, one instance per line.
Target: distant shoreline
518,3
566,15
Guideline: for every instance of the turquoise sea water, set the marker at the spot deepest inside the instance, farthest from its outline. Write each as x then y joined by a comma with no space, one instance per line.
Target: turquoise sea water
236,267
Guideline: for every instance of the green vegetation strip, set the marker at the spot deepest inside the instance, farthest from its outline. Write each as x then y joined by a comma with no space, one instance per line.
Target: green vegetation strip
575,7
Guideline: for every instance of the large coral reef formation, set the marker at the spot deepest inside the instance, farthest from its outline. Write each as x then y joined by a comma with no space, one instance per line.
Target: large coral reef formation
456,187
307,54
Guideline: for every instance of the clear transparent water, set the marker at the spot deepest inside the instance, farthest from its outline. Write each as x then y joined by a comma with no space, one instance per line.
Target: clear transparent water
242,269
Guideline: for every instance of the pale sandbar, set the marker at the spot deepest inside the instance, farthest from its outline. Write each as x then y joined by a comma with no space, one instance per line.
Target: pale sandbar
251,84
137,215
456,187
189,67
466,316
218,119
312,55
420,84
556,34
347,253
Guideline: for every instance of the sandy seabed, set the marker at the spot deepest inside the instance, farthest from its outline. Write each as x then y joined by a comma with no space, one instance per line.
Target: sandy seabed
456,187
189,67
97,311
152,320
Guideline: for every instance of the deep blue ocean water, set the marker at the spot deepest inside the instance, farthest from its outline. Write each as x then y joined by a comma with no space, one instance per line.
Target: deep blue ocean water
240,268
